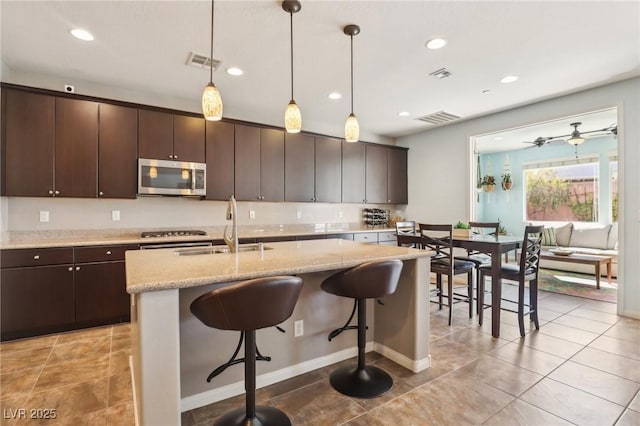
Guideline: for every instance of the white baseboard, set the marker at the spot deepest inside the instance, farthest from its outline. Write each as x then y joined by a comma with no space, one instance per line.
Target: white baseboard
237,388
414,365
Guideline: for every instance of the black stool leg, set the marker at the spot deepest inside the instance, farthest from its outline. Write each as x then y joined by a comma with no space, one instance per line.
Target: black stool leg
363,381
252,415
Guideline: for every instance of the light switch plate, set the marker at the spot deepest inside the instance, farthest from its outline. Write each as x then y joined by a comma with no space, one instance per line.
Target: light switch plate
44,216
252,214
298,214
115,215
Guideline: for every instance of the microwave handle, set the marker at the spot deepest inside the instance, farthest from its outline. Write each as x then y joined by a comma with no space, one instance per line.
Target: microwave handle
193,179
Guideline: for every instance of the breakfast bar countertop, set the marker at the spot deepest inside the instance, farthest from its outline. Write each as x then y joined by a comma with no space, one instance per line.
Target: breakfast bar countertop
151,270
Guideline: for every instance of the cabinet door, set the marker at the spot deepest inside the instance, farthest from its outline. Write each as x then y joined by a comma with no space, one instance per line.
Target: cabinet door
155,135
36,300
76,158
376,181
397,176
188,139
100,293
272,165
118,152
299,167
353,172
328,170
247,163
220,160
27,143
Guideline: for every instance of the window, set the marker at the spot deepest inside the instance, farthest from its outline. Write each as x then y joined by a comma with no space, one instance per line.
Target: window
613,178
566,193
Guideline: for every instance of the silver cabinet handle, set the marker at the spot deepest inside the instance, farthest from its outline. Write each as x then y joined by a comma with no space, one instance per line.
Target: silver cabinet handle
175,157
36,257
50,192
57,192
171,157
70,268
77,268
101,193
108,252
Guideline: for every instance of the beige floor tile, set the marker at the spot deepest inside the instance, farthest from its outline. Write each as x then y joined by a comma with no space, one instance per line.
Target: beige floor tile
635,404
545,315
95,418
450,355
596,382
11,409
414,380
617,346
18,382
400,411
507,331
625,330
289,385
119,362
31,343
595,305
120,342
520,413
526,357
551,345
570,334
629,418
209,413
82,349
560,303
611,363
121,328
90,333
120,389
475,340
121,415
583,323
596,315
73,371
572,404
502,375
22,360
72,401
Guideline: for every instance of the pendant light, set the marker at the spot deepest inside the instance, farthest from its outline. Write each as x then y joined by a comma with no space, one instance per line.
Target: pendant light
292,115
351,127
211,99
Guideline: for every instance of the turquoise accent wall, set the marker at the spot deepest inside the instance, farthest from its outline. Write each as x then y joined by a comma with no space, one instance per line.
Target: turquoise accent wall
509,206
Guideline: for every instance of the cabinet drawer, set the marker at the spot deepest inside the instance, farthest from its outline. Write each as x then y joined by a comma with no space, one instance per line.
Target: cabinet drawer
341,236
387,236
366,237
102,253
14,258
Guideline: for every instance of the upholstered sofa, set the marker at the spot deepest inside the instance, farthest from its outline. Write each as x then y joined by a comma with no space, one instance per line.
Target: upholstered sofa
602,240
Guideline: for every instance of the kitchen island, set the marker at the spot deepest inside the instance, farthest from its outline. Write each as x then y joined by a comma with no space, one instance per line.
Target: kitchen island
173,352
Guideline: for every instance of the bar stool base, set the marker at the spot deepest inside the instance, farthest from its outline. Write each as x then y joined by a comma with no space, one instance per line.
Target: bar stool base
368,382
265,416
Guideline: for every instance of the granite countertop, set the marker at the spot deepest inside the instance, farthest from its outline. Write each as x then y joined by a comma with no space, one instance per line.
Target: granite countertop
150,270
70,238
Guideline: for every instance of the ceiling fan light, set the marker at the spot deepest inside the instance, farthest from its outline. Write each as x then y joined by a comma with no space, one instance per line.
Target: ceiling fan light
351,129
575,140
292,118
211,103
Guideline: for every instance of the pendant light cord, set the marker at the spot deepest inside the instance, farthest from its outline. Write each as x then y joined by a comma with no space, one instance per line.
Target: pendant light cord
351,73
211,53
291,34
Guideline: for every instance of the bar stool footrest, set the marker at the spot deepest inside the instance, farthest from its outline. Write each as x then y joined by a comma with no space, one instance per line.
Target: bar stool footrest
368,382
265,416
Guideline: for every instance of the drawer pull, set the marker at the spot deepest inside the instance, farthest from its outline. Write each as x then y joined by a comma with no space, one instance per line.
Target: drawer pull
77,268
36,257
70,268
108,252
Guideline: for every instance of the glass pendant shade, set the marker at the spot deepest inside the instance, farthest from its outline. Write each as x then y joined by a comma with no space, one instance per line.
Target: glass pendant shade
575,139
351,129
211,103
292,118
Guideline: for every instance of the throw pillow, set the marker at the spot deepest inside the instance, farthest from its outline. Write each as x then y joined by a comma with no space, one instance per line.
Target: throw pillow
549,236
590,237
612,242
563,234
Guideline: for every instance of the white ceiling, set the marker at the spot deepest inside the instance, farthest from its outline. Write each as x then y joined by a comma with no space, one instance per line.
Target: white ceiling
554,47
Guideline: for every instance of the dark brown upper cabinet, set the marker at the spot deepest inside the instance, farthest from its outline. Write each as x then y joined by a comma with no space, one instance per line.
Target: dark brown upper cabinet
220,156
259,164
165,136
397,176
376,174
353,172
117,152
328,170
28,143
299,163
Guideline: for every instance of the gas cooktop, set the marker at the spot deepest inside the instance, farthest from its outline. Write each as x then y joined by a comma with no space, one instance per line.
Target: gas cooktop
179,233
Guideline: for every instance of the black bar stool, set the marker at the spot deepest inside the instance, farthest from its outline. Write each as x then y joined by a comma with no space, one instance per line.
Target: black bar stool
370,280
248,306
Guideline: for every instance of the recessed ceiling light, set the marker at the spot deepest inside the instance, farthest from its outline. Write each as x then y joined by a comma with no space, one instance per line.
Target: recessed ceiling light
485,91
235,71
403,114
334,95
509,79
81,34
436,43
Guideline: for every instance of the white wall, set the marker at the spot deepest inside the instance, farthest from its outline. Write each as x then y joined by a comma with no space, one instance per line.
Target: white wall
440,163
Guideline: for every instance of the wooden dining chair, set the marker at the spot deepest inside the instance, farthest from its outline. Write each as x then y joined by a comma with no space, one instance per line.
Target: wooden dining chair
438,238
525,271
406,228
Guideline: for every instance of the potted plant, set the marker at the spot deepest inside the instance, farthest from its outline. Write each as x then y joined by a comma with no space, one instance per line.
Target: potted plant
488,183
461,229
507,183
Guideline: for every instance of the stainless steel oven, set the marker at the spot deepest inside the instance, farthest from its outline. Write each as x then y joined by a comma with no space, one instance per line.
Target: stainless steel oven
164,177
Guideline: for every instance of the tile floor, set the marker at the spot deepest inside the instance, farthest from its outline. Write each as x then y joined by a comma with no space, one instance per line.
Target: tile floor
582,367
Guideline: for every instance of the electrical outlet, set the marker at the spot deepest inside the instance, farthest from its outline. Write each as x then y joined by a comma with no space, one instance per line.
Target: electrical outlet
298,328
115,215
44,216
252,214
340,214
298,214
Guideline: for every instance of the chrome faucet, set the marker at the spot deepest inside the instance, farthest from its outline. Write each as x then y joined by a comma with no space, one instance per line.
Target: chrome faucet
232,214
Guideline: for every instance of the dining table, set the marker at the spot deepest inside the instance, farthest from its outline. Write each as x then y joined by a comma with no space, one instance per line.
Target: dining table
494,245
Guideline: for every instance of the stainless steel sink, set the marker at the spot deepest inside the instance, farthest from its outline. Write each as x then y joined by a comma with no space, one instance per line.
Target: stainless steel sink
193,251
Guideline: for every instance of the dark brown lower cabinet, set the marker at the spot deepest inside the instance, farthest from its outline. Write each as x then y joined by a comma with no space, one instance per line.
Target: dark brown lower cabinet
36,300
101,296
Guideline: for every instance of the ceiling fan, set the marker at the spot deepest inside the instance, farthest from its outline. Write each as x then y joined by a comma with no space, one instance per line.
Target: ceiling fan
575,138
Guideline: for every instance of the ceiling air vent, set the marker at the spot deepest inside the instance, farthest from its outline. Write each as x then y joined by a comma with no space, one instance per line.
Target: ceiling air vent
441,73
439,117
200,61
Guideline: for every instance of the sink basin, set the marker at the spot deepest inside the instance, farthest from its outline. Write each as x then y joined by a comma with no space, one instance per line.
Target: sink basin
193,251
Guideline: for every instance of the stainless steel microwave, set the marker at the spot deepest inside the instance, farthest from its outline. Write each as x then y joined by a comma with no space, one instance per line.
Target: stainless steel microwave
164,177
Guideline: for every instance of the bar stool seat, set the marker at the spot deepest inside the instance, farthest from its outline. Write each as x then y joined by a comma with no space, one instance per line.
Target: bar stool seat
371,280
248,306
